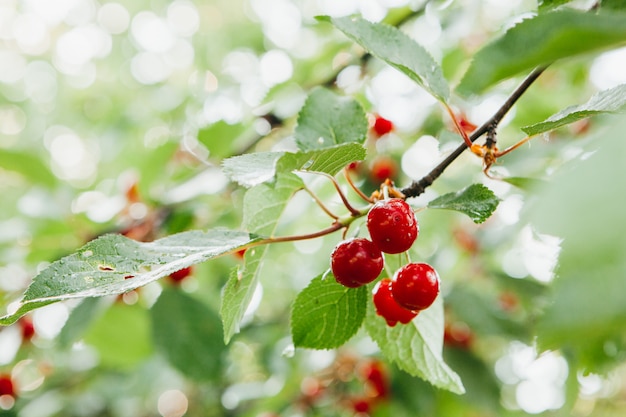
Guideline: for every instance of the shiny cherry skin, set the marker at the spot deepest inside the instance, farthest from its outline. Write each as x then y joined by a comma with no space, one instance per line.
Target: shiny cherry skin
415,286
356,262
387,307
392,225
382,126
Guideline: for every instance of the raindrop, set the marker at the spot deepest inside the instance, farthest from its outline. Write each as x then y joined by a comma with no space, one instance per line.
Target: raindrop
87,253
88,280
320,140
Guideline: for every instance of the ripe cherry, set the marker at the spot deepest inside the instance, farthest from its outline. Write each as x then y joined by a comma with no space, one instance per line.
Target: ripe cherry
387,307
356,262
382,126
392,225
376,379
415,286
181,274
6,385
27,327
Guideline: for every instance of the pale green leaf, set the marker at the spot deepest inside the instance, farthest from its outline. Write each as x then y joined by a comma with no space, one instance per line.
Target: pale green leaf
556,35
398,50
606,101
262,207
416,347
326,314
477,201
188,334
583,204
252,169
257,168
114,264
28,165
328,119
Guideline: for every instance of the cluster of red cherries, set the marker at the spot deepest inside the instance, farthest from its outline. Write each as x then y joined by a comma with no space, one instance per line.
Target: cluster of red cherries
358,261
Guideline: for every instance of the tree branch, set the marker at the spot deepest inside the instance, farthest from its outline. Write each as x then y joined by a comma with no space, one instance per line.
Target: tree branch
416,188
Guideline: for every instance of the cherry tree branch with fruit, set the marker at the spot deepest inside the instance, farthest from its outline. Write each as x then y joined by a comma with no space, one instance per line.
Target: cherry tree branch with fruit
371,280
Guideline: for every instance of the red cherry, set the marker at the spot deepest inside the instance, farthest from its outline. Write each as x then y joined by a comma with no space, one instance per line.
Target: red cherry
382,126
376,377
387,307
392,225
382,168
6,385
181,274
27,327
361,405
415,286
458,334
356,262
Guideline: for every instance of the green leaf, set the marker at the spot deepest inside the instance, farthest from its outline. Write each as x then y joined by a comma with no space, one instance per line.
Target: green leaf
81,317
524,183
326,314
583,205
121,335
416,347
398,50
606,101
327,119
613,5
30,166
553,36
219,138
329,161
114,264
188,334
477,201
252,169
262,207
546,5
257,168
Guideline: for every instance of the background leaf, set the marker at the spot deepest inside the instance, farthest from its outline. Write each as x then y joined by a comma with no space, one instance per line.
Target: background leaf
188,334
326,314
606,101
417,346
327,119
588,313
477,201
554,36
398,50
30,166
114,264
121,336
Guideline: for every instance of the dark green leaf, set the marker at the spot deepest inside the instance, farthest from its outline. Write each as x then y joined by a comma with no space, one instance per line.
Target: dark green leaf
416,347
262,207
398,50
326,314
553,36
121,335
327,119
546,5
477,201
114,264
613,5
188,334
606,101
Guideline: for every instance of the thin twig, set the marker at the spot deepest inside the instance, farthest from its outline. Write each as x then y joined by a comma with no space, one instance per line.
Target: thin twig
320,203
416,188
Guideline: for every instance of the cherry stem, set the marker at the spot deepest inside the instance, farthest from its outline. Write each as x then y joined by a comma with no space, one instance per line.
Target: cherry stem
416,188
343,197
337,225
356,189
320,203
